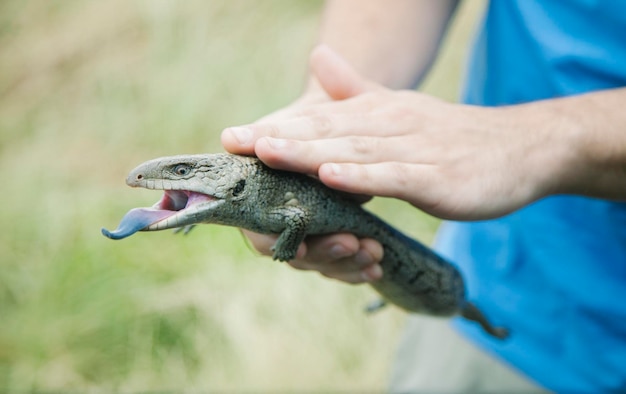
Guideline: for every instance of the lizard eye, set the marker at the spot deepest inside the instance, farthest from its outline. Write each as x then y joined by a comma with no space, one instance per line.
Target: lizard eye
182,169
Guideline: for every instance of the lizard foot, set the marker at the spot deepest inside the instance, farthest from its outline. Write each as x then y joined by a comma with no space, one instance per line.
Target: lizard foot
282,254
375,306
185,229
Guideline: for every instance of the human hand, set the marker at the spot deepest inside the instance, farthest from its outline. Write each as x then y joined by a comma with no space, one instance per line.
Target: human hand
340,256
453,161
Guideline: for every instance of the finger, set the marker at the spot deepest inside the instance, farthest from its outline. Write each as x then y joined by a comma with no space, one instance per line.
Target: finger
308,156
241,140
336,76
373,248
355,253
317,123
330,248
371,273
308,121
367,275
293,110
415,183
339,81
338,256
341,256
263,243
238,140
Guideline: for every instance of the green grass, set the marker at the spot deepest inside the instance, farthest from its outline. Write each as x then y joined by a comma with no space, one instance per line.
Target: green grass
87,91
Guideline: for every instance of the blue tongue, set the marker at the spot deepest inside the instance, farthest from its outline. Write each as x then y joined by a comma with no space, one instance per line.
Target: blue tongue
135,220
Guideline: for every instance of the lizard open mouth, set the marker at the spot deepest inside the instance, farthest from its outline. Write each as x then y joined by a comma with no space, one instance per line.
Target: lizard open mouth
176,200
174,209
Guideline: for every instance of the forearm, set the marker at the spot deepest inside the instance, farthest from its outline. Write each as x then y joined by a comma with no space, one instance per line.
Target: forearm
584,141
392,43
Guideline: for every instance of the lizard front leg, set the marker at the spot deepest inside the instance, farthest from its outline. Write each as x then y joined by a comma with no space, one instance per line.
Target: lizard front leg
295,220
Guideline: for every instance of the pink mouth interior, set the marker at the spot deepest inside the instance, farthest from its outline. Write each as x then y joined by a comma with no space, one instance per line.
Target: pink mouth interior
138,219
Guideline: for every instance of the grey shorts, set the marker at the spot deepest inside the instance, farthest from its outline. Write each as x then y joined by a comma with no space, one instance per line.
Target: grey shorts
433,358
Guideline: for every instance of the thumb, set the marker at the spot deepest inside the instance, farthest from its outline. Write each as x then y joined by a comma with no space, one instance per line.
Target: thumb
336,77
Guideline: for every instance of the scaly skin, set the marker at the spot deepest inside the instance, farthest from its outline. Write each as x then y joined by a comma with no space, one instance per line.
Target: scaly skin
242,192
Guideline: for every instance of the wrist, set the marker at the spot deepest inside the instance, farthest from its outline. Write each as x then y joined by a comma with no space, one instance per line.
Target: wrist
570,173
548,144
562,157
598,144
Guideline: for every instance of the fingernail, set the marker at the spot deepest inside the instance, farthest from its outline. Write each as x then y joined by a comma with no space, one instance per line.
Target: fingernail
372,273
243,135
338,251
364,258
276,143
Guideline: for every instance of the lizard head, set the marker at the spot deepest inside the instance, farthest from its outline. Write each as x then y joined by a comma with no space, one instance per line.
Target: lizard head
194,186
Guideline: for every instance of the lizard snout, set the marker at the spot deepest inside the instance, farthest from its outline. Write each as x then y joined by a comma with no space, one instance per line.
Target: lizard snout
135,178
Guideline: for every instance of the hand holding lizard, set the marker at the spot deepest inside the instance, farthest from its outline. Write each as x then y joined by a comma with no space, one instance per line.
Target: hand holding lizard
453,161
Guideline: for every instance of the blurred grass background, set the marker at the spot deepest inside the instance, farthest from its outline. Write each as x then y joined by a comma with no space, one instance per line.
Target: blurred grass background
88,89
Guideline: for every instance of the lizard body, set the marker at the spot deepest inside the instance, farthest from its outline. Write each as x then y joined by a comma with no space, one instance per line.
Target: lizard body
242,192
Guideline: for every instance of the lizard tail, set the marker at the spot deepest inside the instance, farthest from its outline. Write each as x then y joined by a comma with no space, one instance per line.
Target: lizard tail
471,312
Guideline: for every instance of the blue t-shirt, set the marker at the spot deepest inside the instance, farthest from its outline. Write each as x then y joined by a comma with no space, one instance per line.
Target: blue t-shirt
553,272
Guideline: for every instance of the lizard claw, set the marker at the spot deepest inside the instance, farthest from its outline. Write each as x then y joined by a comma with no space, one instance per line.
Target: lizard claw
281,254
185,229
375,306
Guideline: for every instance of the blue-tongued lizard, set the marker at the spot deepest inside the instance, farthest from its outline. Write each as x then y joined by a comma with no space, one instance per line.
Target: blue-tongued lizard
242,192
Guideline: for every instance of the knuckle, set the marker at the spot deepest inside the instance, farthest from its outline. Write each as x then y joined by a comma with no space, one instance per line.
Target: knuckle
266,129
400,175
398,110
322,124
363,146
271,130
